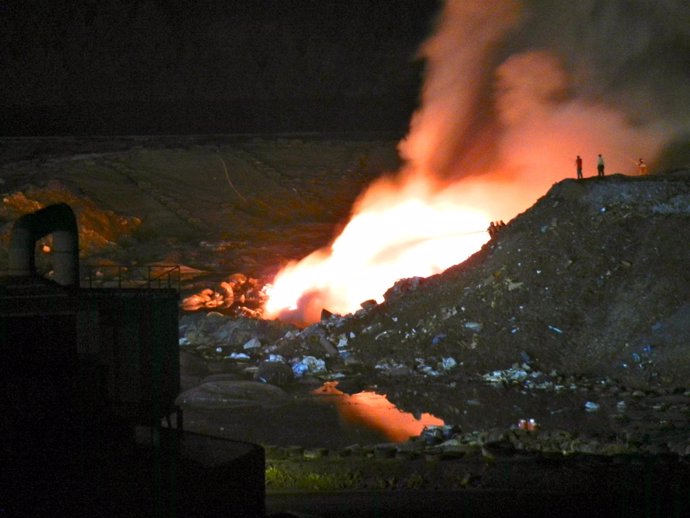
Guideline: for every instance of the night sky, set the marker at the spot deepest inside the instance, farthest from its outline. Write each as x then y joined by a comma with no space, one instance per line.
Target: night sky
210,66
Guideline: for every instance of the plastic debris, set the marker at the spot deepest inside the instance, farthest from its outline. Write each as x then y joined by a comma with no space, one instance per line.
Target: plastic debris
237,356
473,326
448,363
299,369
315,365
438,338
432,435
556,330
591,406
308,364
254,343
183,341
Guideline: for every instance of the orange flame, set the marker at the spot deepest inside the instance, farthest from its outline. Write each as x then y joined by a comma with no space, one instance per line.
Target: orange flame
490,137
397,231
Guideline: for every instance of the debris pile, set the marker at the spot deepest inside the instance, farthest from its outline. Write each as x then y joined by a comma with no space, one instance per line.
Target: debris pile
572,317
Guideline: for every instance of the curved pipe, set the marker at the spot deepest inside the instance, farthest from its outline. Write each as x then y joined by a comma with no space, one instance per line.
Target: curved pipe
58,220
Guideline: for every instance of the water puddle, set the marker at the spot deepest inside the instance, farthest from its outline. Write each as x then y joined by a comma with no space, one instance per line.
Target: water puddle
374,411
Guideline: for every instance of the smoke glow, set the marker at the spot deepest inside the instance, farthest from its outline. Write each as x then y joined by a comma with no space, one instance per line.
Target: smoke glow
505,108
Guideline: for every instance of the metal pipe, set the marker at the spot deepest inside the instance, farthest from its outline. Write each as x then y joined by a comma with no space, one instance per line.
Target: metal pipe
58,220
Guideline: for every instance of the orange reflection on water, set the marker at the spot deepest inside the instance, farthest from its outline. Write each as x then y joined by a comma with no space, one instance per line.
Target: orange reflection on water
375,412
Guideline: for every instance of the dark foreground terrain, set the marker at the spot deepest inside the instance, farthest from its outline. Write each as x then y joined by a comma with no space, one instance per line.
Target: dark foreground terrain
575,316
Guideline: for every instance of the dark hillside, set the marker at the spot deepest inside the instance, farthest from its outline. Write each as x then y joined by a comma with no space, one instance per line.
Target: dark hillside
593,279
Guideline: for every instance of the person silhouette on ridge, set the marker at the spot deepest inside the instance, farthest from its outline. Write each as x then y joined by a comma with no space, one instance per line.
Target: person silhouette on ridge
600,165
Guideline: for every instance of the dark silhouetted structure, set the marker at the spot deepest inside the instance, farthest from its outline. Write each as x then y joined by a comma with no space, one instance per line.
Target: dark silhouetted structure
89,375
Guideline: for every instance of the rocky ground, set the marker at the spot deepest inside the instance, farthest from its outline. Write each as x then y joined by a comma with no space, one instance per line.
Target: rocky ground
566,335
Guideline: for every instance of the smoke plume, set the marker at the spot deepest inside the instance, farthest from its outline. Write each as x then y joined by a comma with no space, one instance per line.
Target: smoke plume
515,90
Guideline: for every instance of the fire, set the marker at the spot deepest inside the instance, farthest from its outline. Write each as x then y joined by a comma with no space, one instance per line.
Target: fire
400,228
497,125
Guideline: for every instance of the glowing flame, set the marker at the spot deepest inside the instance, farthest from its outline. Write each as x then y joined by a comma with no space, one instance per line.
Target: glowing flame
397,232
498,124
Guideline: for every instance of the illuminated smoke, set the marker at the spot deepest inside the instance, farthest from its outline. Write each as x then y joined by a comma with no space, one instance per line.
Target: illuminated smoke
513,92
517,89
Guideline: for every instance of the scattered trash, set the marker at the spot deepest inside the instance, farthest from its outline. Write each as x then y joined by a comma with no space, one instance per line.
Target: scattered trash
183,341
432,435
254,343
591,406
473,326
299,369
448,363
237,356
308,364
556,330
438,339
429,371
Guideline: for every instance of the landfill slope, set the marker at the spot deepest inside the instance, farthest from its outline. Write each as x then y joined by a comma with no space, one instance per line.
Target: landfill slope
592,280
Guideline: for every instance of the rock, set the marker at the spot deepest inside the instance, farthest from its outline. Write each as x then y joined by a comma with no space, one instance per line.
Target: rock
368,304
219,377
188,382
328,346
274,373
254,343
315,453
216,395
192,365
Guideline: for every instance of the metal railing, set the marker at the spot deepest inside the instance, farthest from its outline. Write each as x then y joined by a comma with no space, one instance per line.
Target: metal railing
155,276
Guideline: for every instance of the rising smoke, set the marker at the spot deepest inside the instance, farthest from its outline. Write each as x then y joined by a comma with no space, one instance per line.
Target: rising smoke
518,89
514,91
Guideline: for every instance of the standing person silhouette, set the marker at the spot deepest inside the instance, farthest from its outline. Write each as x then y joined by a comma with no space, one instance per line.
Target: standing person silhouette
578,165
600,165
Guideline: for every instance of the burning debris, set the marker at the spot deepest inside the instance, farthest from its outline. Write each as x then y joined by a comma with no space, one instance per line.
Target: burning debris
239,295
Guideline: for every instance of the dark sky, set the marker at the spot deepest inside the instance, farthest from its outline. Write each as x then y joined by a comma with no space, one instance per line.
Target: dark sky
114,66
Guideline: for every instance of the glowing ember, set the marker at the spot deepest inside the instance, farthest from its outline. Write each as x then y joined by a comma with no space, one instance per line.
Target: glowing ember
396,233
376,412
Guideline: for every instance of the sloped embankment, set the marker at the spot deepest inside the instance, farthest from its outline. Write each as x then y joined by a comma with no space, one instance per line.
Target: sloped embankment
593,279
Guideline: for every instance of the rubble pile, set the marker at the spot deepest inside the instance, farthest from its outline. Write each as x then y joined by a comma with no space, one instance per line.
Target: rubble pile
591,280
574,317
